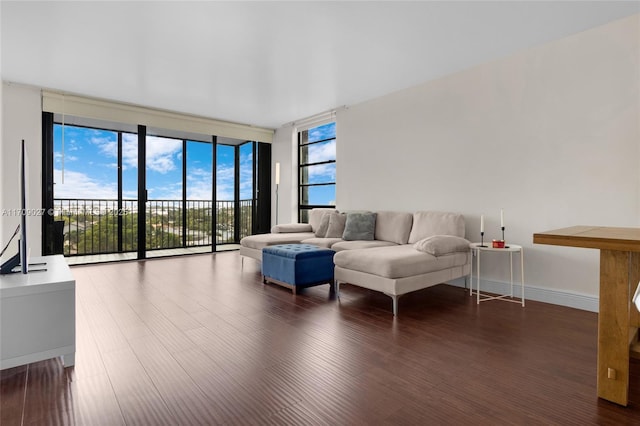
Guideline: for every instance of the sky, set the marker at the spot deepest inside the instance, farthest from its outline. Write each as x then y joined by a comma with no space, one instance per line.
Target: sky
85,166
89,158
322,173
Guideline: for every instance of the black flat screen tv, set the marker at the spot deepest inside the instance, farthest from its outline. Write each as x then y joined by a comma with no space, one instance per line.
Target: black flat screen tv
21,258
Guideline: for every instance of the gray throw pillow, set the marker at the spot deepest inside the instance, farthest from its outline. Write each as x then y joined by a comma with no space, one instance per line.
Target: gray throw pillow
321,232
441,245
336,225
360,227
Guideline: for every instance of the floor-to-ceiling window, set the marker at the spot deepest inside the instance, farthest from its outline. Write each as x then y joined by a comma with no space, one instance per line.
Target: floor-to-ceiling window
198,193
164,206
247,187
95,188
316,169
235,189
225,193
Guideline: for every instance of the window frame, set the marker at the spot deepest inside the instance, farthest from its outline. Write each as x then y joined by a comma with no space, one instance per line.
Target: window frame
306,207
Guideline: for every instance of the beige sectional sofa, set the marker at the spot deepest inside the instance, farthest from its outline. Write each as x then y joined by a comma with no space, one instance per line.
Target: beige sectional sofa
404,253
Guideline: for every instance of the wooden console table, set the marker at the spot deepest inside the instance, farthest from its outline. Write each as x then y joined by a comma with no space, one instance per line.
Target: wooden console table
618,319
38,314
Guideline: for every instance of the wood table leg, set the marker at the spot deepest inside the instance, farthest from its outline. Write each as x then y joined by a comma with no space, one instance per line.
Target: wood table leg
613,326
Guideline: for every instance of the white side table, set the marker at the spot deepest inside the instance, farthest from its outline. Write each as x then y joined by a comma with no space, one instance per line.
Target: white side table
477,249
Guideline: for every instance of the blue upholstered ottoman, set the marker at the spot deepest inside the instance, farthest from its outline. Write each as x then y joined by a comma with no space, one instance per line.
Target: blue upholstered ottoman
297,265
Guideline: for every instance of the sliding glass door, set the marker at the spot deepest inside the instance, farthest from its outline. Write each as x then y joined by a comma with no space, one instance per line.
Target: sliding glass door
235,193
95,189
164,197
198,203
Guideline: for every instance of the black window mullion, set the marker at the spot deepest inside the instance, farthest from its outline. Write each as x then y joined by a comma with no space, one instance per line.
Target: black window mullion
236,195
317,163
214,197
142,192
315,142
184,193
120,183
317,184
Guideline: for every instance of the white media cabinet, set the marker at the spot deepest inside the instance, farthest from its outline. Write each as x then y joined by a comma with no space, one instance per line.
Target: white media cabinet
38,314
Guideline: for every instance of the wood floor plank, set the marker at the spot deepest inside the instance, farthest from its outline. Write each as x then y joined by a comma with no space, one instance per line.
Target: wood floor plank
13,382
95,401
139,399
49,397
182,396
200,340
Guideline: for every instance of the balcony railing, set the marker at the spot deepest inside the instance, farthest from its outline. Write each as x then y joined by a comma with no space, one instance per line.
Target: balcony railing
100,227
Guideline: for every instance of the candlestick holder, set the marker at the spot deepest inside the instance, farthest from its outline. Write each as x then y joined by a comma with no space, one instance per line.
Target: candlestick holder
482,239
505,243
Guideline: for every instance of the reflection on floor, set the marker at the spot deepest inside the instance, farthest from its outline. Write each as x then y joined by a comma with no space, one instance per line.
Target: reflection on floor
117,257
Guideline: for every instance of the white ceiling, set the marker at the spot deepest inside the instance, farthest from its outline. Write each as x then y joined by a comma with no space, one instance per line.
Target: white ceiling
270,63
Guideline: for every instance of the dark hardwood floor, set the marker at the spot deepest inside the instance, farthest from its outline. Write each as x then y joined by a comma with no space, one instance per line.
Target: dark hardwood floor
198,340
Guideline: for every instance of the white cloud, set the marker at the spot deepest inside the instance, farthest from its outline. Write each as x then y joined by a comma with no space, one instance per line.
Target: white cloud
130,150
198,184
79,185
107,145
322,173
322,152
224,183
57,157
170,192
318,153
162,153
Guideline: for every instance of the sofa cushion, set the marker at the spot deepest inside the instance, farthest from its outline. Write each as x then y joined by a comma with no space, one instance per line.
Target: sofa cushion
290,227
396,261
315,217
427,224
336,225
353,245
393,226
263,240
321,231
360,226
321,242
440,245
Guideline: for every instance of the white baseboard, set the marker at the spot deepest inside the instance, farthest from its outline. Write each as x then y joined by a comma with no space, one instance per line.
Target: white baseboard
539,294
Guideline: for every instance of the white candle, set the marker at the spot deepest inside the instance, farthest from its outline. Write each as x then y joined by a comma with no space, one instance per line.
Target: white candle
277,173
481,223
502,218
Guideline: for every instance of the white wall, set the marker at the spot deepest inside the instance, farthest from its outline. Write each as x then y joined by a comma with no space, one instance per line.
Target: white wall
1,139
550,134
21,119
284,151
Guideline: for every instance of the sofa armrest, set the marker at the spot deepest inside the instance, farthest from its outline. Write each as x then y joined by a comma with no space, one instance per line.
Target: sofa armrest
291,227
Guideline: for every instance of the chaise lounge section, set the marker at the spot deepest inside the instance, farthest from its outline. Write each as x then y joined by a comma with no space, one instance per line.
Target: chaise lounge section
292,233
434,252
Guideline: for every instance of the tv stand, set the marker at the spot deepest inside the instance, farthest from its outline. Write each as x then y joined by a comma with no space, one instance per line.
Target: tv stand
7,267
38,314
